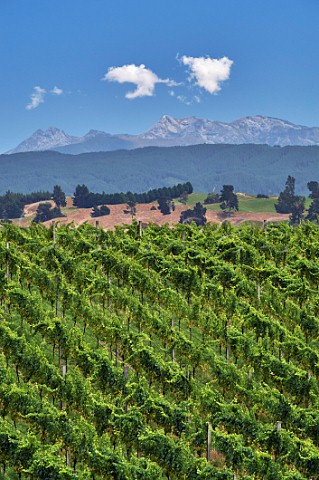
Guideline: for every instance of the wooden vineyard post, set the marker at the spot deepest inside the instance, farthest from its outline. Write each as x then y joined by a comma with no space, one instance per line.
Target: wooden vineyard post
57,302
7,260
308,378
63,369
125,374
116,352
258,293
67,457
140,230
209,441
278,425
108,298
173,350
97,223
227,346
54,233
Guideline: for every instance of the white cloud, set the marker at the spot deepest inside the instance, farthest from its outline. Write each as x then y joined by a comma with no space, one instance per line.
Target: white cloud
183,99
144,79
188,100
56,91
36,97
207,72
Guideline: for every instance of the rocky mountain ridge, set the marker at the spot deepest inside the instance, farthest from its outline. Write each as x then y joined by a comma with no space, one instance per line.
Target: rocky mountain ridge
169,131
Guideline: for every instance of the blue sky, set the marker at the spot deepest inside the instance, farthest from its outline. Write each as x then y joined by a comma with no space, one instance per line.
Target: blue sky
216,59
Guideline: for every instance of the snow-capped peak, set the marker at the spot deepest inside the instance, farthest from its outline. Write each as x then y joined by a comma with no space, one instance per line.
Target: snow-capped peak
170,131
45,140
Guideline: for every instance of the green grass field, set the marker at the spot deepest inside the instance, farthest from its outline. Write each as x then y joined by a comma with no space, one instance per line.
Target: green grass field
257,204
246,203
196,197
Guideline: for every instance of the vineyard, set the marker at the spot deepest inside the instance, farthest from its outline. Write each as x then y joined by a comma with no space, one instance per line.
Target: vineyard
184,353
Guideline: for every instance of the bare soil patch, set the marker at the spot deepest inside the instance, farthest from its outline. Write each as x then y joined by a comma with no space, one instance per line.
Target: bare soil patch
145,215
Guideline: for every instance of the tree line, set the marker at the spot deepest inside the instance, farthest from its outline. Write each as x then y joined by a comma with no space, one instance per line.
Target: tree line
83,198
12,204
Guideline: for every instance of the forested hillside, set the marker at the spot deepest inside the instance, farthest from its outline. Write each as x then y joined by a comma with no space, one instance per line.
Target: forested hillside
251,168
185,353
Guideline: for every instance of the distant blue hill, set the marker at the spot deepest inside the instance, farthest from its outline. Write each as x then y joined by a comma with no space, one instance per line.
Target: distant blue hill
250,168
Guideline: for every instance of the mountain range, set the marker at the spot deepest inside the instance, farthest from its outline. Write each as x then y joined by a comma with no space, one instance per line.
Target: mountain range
169,132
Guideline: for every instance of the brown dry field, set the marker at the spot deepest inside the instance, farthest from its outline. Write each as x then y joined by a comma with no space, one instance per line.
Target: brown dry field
144,214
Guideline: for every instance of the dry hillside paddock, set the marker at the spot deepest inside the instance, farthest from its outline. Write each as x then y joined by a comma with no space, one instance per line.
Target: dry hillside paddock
143,214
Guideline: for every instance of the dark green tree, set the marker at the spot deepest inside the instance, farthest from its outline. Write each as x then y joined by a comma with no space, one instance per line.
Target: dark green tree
228,199
212,198
81,196
290,185
45,212
100,211
199,210
286,198
313,212
197,215
132,207
104,209
297,210
59,196
165,205
11,206
314,189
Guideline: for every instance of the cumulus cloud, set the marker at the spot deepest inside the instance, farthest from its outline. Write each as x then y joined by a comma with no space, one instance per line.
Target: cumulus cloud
56,91
38,95
144,79
207,72
36,98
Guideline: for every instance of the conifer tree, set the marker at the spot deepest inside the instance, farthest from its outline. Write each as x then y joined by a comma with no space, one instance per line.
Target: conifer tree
286,197
229,200
59,196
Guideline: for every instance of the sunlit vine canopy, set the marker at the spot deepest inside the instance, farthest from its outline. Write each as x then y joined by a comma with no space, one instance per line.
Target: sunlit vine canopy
183,353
